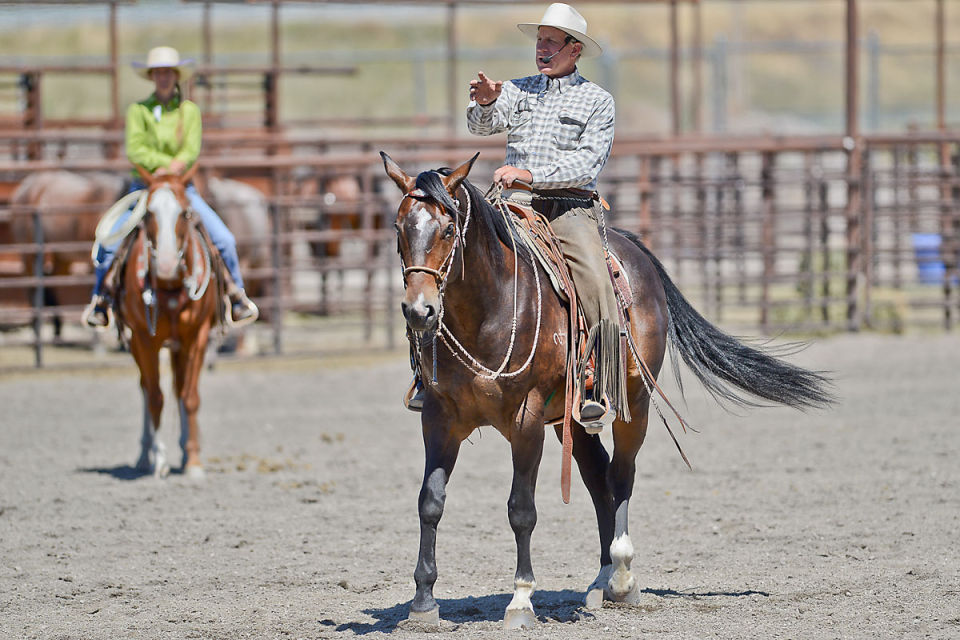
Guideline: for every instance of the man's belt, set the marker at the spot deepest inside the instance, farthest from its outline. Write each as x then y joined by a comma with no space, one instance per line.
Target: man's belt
566,194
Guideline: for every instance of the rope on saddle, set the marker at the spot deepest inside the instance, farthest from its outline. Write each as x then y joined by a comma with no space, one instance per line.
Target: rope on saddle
216,269
105,234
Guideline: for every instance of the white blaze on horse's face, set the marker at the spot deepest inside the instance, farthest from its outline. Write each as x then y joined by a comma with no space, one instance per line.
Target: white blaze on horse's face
426,241
166,209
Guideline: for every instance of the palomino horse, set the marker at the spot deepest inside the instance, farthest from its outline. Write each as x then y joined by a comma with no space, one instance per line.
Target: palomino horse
494,351
167,296
68,205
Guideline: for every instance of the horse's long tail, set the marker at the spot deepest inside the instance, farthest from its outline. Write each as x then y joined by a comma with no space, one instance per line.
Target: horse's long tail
727,366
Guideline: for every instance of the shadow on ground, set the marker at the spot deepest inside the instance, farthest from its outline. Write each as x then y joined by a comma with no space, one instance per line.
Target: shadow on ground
125,472
551,606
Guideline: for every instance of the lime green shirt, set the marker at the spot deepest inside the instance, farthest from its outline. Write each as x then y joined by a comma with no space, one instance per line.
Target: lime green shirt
156,134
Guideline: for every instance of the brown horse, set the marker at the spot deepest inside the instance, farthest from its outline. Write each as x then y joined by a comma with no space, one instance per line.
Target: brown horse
167,296
68,206
493,351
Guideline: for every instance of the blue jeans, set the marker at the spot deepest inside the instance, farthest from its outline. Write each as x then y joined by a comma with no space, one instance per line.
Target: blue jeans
222,239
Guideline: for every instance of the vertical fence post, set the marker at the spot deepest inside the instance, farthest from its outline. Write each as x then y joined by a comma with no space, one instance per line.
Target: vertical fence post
852,145
869,247
807,266
368,226
948,234
769,235
276,262
823,189
702,226
873,81
38,292
955,210
897,218
645,189
739,236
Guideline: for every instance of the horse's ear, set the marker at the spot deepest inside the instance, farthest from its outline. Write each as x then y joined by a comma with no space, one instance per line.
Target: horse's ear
398,175
146,175
188,176
452,182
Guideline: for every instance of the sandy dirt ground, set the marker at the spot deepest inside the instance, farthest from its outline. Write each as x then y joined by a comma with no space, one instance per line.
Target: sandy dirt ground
834,524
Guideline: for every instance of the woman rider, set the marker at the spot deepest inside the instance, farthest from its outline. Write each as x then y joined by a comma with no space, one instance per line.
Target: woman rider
163,136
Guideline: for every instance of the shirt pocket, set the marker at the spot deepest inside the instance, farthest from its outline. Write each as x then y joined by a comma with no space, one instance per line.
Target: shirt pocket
520,121
568,131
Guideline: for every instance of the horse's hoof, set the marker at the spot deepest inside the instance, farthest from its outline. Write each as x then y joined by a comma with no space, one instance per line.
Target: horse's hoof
195,472
426,617
594,599
519,619
627,596
161,471
623,587
596,592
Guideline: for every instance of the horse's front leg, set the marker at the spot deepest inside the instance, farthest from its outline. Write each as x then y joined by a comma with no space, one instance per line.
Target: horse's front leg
187,364
441,447
527,447
153,456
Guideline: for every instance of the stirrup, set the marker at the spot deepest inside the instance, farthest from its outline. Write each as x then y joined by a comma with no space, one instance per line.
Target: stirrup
97,313
242,310
413,398
593,416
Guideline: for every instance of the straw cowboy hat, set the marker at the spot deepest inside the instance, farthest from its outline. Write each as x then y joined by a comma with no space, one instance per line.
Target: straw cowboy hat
567,19
162,57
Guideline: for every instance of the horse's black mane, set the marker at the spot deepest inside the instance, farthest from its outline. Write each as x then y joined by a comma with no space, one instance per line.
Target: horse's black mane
492,221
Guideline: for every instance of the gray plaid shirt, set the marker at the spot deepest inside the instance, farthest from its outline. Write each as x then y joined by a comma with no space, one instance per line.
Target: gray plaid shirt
559,129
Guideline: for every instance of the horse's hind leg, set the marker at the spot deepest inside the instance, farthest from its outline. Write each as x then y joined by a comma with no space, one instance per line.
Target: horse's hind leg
593,462
527,446
622,585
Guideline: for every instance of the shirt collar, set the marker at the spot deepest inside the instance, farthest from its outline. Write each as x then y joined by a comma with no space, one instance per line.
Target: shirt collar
152,101
571,79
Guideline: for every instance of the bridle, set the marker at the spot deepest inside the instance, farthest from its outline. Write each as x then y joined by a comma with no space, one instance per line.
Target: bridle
194,287
460,233
441,274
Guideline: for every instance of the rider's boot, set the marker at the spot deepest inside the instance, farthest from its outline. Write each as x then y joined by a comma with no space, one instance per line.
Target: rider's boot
594,415
96,312
242,309
413,398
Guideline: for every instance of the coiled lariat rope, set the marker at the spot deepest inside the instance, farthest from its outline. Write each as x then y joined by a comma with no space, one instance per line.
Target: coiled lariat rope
447,336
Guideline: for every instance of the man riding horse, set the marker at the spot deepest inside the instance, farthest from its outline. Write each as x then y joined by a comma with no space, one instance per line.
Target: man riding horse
163,135
559,129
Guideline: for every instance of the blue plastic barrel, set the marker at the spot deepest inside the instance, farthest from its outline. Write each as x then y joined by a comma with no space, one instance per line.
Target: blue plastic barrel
926,248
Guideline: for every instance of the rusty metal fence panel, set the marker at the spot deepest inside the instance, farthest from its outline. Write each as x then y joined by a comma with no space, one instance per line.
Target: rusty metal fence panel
757,232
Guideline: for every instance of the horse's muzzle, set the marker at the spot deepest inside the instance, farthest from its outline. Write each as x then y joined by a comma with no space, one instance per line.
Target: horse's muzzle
420,315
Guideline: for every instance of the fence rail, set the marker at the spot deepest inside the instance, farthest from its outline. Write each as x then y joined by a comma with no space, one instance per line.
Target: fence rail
796,233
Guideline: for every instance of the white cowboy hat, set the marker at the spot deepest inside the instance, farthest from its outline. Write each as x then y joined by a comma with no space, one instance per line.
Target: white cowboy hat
162,57
567,19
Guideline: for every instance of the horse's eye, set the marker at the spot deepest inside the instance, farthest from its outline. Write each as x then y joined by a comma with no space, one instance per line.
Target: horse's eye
449,231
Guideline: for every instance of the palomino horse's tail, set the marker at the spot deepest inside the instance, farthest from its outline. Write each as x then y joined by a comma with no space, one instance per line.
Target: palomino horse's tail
725,365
